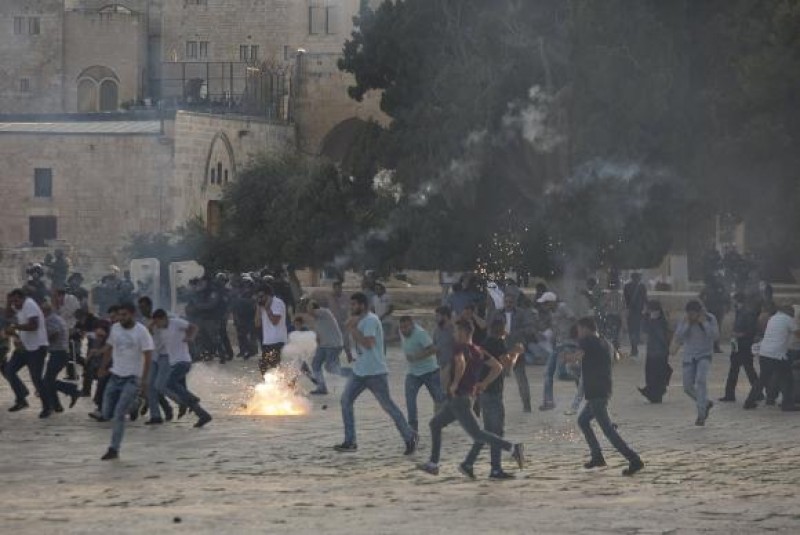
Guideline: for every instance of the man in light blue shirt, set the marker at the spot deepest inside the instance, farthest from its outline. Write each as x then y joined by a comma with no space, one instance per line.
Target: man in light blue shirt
697,333
423,370
369,373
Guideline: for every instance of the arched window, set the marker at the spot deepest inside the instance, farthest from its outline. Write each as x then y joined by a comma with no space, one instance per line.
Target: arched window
109,96
87,96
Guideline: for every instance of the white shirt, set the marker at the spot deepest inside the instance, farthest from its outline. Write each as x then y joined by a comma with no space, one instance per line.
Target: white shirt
172,340
68,309
508,322
128,347
779,332
32,340
381,304
274,334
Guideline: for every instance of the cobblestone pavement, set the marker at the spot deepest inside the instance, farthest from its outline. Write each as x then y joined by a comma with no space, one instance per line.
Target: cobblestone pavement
739,474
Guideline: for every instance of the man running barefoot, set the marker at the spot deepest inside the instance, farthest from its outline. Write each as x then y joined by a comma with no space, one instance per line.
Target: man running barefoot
369,373
468,364
595,359
131,348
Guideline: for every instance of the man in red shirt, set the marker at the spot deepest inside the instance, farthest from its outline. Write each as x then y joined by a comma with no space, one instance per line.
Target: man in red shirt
463,386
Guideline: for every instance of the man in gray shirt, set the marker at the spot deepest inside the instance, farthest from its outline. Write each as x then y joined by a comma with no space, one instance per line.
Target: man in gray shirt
58,338
329,344
696,333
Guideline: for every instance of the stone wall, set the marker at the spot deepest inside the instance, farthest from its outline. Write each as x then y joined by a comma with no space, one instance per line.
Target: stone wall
36,58
93,39
203,141
104,188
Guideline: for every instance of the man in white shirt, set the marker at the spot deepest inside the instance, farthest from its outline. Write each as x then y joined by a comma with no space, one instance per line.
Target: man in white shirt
32,332
271,318
774,361
131,347
173,335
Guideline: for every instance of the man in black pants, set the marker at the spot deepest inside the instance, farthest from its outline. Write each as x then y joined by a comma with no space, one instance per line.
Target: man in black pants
595,361
745,327
635,294
30,327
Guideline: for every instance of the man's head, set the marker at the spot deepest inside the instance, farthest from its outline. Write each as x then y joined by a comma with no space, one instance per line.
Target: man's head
509,301
694,311
125,315
337,288
145,306
160,318
380,289
443,315
406,326
654,309
549,301
464,332
359,304
636,277
113,313
17,298
587,327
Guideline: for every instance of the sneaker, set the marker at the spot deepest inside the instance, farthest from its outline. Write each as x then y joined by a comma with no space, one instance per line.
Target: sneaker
45,413
726,399
203,420
18,406
633,467
182,411
110,454
346,447
700,422
467,471
58,408
547,406
430,468
501,476
411,445
518,454
319,392
97,416
749,405
595,463
154,421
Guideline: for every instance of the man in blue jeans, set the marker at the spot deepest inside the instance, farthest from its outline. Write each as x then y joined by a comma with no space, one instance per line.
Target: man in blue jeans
369,373
423,370
595,358
329,343
174,335
561,321
131,347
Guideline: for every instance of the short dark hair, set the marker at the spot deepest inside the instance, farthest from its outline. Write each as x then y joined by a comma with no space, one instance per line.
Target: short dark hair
18,292
360,298
129,307
465,326
159,314
406,319
112,309
444,310
145,300
588,323
694,306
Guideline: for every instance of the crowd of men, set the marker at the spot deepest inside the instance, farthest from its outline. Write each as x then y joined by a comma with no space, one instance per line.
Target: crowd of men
137,358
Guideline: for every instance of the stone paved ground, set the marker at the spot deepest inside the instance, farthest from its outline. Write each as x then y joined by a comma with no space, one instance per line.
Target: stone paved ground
739,474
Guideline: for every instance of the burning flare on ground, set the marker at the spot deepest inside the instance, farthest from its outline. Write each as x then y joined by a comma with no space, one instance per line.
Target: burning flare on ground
279,394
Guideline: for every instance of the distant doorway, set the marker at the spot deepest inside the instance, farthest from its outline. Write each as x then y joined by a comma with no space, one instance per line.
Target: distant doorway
214,217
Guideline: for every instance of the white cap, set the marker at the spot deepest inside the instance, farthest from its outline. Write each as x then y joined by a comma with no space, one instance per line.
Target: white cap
548,297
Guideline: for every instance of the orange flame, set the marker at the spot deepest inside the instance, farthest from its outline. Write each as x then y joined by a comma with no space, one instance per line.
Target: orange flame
277,396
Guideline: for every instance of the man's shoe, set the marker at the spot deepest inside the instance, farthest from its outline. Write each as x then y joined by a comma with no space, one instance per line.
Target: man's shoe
501,476
154,421
518,454
182,411
73,399
203,420
58,408
700,422
547,406
709,406
110,454
595,463
726,399
45,413
633,468
346,447
644,392
97,417
411,445
430,468
18,406
770,403
749,405
466,471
